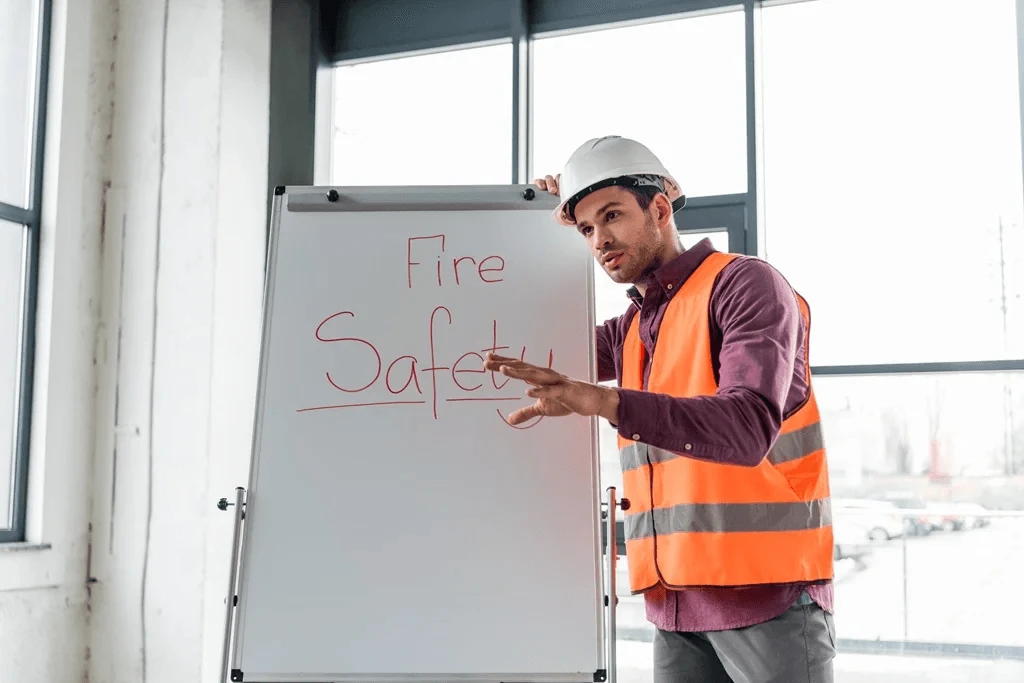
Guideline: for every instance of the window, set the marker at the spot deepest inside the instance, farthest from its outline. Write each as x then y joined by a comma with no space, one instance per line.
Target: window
17,83
942,427
434,119
604,83
893,201
893,189
11,297
891,196
946,450
923,518
22,43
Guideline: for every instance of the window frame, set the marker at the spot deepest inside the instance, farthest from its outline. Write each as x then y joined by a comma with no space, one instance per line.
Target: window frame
31,219
529,19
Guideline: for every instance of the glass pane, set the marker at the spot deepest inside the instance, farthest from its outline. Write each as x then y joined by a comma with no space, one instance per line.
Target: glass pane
18,29
433,119
12,239
893,189
943,443
946,451
677,86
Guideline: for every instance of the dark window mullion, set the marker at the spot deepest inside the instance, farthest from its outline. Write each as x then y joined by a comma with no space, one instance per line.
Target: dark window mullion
39,113
1013,365
16,214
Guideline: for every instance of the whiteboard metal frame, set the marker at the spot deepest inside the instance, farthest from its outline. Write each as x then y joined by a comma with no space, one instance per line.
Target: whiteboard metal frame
415,198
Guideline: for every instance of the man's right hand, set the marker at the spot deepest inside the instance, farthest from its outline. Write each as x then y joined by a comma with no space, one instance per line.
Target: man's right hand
549,183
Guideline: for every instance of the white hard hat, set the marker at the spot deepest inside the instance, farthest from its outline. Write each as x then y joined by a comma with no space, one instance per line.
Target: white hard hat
606,161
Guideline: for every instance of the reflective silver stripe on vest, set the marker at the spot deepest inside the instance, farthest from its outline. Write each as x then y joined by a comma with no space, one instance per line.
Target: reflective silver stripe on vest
797,444
635,455
787,447
726,517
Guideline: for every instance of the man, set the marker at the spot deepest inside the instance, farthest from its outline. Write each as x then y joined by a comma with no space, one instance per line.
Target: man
728,530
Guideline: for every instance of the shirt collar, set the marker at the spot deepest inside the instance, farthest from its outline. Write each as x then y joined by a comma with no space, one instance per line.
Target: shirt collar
675,272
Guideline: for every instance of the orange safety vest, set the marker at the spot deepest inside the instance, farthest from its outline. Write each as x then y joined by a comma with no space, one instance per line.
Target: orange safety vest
692,522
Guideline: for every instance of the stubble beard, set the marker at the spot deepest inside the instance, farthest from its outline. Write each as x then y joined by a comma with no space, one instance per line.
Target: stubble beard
646,255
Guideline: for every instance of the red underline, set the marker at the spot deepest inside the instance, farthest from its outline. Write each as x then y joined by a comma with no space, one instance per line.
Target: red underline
361,405
500,398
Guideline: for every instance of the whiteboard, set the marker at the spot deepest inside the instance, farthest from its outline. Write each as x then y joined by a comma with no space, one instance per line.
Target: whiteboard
396,526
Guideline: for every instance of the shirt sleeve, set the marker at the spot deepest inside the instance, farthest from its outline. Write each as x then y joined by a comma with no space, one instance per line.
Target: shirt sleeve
757,313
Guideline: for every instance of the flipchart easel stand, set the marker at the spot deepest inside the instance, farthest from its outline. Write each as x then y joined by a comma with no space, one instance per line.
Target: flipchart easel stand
608,511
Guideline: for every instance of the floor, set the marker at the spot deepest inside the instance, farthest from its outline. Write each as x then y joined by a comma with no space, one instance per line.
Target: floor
635,667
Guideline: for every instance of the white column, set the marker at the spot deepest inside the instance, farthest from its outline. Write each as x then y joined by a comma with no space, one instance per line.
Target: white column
188,186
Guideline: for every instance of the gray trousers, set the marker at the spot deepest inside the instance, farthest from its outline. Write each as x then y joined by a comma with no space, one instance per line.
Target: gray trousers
796,647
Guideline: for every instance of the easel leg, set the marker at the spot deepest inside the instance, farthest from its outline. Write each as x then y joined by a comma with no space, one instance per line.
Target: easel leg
611,555
232,598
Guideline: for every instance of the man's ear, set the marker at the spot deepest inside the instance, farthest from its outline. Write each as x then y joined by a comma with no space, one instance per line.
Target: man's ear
662,208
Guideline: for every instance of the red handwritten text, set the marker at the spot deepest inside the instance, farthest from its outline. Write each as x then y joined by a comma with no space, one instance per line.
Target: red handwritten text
460,270
401,377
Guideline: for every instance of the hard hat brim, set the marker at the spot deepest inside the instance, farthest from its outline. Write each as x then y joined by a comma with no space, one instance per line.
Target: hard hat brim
562,215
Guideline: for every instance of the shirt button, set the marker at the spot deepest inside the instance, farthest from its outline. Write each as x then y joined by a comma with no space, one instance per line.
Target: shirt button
636,437
688,447
668,286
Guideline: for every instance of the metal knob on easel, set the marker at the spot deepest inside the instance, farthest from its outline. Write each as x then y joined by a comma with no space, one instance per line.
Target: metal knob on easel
608,509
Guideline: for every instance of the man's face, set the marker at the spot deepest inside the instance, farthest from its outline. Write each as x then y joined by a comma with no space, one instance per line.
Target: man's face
624,239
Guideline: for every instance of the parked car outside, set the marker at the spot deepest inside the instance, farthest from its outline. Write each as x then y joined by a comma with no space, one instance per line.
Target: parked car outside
850,540
973,515
919,523
945,516
882,520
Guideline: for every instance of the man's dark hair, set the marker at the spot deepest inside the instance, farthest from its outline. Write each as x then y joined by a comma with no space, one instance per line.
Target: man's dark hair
644,195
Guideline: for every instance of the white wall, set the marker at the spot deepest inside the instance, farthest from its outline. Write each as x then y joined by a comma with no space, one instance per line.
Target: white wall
152,271
188,184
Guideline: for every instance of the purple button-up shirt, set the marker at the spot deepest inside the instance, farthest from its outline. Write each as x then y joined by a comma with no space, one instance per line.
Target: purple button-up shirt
757,352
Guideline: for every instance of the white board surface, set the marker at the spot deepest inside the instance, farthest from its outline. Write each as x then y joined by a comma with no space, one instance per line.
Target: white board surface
396,526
